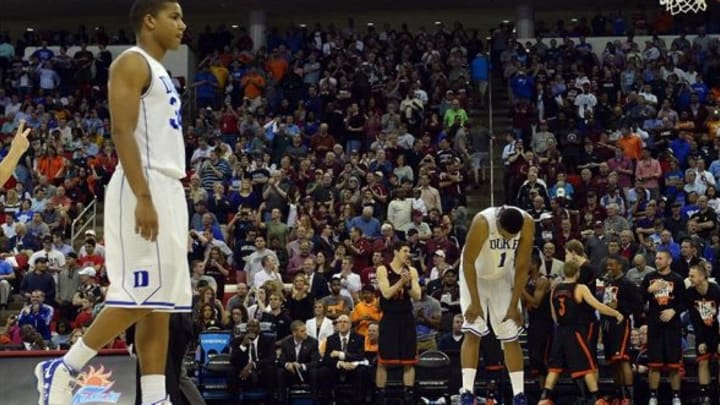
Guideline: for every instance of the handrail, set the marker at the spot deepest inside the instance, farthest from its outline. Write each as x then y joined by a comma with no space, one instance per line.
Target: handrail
492,129
81,227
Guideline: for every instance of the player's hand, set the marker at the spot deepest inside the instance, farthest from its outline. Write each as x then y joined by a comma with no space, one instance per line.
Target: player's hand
619,317
473,312
146,219
514,314
20,142
656,285
667,315
702,348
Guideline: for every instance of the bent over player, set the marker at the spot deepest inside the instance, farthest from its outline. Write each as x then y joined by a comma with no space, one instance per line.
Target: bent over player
494,272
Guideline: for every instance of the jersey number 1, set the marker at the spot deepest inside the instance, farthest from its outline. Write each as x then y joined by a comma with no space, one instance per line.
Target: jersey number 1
503,256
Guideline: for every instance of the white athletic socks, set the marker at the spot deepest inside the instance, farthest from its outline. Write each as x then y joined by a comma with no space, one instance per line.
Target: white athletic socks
79,355
153,388
468,379
517,380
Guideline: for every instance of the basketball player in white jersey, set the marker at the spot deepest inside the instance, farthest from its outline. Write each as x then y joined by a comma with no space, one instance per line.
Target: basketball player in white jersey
500,241
146,219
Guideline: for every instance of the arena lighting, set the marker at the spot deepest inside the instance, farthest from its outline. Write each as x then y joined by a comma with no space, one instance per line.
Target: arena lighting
29,29
371,24
234,26
574,19
506,21
302,25
438,22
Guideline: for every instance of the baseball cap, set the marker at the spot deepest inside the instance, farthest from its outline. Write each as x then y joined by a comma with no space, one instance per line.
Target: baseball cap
90,232
545,215
440,253
87,271
41,259
47,238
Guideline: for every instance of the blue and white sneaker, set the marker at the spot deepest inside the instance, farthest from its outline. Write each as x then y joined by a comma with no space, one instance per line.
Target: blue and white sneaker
55,382
520,399
467,398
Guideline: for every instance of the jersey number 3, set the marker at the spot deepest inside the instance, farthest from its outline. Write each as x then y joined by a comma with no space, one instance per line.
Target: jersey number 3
176,121
561,310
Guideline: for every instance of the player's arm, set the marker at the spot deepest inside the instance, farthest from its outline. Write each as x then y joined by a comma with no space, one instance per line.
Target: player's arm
476,237
415,292
129,75
522,262
541,288
387,290
17,148
584,292
552,307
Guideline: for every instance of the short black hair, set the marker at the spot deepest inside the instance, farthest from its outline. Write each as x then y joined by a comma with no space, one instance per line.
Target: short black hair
399,245
141,8
511,220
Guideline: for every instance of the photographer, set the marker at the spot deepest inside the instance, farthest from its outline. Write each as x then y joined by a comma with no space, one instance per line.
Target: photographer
12,332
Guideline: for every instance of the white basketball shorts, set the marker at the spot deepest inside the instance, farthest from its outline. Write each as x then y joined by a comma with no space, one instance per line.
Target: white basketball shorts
146,274
495,297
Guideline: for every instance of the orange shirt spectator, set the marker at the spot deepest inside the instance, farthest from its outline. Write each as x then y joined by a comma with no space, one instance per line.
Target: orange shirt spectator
631,145
51,165
366,311
253,83
278,67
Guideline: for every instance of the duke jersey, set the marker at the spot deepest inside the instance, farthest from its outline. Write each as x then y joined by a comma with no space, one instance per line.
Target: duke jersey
159,128
497,255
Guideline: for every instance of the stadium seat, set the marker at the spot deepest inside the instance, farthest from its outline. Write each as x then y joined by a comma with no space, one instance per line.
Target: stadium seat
432,379
214,365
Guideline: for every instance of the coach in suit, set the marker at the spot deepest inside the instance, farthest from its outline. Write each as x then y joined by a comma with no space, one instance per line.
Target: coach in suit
253,359
298,361
345,357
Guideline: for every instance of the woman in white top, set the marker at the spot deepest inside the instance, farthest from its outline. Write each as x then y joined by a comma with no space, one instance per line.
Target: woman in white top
320,327
256,310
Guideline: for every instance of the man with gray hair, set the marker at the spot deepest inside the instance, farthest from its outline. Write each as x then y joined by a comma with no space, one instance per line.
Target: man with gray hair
641,269
614,223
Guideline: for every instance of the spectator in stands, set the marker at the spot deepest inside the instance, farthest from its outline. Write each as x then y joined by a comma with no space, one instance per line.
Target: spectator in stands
345,358
39,280
640,270
68,282
298,361
7,275
253,359
37,314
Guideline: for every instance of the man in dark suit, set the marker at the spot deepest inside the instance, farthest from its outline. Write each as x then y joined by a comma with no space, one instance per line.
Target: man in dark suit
318,282
253,359
345,358
298,361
